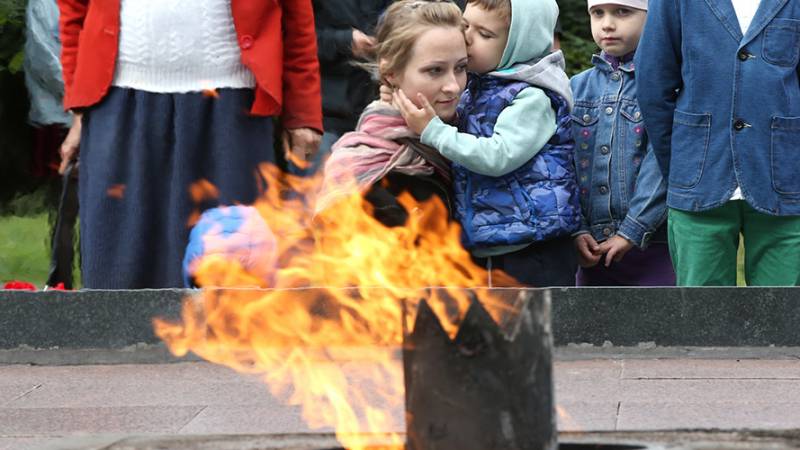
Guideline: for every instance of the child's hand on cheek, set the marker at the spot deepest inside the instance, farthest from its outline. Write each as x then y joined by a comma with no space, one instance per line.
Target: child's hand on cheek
416,118
615,248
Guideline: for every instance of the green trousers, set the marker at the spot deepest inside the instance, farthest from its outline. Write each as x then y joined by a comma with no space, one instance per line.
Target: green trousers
703,246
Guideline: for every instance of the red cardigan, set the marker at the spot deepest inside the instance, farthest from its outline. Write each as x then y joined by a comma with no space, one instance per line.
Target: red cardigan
276,38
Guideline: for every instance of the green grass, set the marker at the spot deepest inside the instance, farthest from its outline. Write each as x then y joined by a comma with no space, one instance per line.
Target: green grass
25,235
24,252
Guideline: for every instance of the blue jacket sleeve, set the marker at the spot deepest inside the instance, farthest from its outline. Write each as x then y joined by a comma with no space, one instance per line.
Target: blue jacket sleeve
42,46
648,205
334,44
658,73
522,129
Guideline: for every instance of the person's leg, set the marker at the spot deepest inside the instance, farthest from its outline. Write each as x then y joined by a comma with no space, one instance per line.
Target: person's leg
650,267
542,264
328,139
703,245
124,175
598,275
46,144
228,149
771,249
136,173
486,264
216,141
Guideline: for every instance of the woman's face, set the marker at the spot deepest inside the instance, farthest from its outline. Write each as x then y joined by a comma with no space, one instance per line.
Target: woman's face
437,69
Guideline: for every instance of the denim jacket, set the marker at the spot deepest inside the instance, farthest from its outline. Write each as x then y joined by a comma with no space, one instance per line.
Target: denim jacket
722,108
622,189
42,65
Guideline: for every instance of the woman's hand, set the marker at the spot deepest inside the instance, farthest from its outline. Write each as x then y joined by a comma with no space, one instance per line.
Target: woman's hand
588,251
362,45
301,144
71,145
416,118
615,248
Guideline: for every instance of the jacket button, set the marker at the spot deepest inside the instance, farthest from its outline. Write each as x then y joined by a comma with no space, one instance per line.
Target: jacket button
604,150
609,110
606,231
615,76
603,190
637,115
587,118
740,124
743,55
246,41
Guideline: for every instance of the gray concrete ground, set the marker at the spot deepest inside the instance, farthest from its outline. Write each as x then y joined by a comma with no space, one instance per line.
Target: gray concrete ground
41,404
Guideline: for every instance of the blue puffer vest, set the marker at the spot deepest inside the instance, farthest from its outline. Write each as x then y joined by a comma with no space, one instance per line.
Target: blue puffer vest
536,202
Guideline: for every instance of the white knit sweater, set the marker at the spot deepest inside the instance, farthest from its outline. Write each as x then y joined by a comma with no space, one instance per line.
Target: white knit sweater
177,46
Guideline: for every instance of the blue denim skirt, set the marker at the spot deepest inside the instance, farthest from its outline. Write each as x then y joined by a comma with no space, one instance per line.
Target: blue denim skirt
140,154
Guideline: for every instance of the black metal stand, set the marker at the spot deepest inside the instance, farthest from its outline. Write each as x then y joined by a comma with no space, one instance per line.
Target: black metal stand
489,388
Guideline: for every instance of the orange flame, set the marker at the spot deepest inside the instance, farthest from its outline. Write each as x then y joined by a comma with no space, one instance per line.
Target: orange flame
116,191
203,190
361,282
211,93
565,419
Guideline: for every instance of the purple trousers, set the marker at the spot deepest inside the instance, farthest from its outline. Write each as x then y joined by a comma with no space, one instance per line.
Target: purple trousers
651,267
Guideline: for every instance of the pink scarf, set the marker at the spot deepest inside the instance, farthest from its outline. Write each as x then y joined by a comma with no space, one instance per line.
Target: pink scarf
382,143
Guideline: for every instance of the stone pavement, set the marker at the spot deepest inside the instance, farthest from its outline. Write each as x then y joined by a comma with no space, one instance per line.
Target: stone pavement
40,405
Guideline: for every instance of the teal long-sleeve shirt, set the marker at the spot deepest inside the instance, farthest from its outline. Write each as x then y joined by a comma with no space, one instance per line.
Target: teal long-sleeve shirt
522,129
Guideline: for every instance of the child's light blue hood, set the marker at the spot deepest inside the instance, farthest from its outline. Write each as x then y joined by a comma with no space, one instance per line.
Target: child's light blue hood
531,34
527,56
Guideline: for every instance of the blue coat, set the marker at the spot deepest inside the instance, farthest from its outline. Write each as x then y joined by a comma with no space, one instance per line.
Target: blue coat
723,109
622,189
536,202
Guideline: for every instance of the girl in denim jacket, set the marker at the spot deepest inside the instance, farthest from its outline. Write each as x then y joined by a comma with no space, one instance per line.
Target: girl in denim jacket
623,194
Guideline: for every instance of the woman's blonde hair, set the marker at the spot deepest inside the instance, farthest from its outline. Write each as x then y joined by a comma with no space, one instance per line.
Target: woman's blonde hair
400,26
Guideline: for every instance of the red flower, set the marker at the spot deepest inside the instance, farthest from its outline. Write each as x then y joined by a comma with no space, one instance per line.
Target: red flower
19,286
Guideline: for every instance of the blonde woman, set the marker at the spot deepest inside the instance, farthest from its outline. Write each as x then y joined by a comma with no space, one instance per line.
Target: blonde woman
420,48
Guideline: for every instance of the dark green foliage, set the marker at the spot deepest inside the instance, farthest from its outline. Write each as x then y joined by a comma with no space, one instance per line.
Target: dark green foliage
576,40
15,134
12,36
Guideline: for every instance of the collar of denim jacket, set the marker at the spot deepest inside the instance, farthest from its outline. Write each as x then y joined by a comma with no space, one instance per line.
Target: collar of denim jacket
601,62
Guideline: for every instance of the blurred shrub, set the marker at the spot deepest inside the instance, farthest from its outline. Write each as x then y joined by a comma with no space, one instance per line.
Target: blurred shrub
576,40
15,134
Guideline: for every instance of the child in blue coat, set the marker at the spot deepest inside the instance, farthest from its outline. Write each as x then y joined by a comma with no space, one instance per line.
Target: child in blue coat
513,170
623,240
